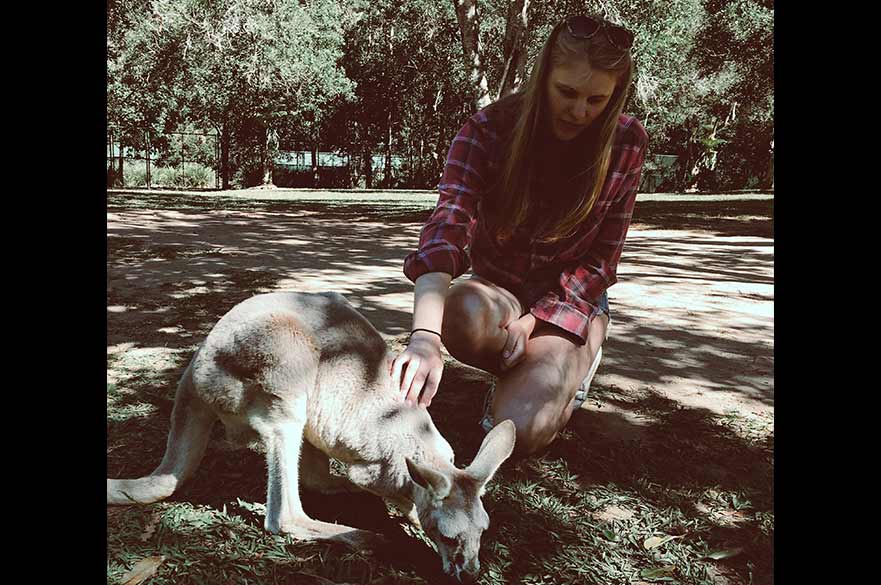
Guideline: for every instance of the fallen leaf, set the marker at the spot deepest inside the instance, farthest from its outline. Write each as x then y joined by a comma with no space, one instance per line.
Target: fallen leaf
659,573
143,570
724,554
613,513
655,541
150,528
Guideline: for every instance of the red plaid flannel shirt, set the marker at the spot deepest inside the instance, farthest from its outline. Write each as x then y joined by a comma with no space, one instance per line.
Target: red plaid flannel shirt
560,282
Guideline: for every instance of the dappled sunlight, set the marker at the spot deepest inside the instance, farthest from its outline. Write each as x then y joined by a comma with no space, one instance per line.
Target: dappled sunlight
682,401
690,312
397,301
290,242
198,290
131,411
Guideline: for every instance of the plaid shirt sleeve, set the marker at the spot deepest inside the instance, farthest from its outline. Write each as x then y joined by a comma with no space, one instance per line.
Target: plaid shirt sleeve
584,282
446,235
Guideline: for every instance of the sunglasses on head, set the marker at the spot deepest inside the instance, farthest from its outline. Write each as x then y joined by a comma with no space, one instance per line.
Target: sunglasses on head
584,27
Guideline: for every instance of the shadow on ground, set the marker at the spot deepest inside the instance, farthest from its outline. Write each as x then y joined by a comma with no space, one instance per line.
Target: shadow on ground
176,265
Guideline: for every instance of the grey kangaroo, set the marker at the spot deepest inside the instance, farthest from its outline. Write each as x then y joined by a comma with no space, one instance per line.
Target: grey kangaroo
307,376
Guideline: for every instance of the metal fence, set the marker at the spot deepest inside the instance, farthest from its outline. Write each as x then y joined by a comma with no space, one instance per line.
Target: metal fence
170,159
192,160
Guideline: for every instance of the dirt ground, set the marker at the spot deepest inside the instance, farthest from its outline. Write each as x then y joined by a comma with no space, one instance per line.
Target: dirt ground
692,313
690,349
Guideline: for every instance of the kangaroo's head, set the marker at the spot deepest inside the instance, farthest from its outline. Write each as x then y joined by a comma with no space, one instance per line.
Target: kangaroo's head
449,506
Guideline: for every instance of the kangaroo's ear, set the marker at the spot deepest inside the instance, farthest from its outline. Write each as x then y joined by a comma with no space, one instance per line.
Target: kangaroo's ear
497,446
434,481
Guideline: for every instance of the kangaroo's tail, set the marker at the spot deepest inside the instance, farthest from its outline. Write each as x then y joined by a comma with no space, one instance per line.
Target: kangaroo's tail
191,423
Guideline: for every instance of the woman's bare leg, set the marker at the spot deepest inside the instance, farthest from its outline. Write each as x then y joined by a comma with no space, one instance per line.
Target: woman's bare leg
538,393
476,313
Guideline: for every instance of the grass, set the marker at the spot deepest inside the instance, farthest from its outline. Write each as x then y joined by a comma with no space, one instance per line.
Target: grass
551,523
585,511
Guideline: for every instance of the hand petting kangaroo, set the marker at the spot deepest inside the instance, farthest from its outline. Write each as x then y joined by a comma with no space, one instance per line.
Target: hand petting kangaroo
308,376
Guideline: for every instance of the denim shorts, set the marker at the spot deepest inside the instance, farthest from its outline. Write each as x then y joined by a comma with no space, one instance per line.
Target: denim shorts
604,304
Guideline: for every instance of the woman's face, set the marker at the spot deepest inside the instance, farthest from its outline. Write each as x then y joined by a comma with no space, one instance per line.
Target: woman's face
577,95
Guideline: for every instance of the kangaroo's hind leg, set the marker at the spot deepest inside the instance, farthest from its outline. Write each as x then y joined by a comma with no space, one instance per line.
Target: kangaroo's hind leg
191,422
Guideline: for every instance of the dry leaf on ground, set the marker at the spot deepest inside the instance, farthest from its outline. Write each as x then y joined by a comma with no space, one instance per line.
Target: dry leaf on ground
724,554
150,527
656,572
655,541
143,570
614,513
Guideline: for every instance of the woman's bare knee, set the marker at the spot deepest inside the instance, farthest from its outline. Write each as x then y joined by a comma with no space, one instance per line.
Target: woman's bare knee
471,325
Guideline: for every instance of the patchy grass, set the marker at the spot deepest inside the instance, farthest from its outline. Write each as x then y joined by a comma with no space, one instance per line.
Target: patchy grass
690,501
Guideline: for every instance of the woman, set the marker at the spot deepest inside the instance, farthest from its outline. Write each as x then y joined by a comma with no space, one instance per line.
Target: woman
536,196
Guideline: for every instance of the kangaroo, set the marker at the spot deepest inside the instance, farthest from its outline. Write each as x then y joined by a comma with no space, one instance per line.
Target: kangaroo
307,377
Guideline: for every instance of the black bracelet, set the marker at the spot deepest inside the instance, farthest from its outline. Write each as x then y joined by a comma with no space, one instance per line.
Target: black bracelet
415,330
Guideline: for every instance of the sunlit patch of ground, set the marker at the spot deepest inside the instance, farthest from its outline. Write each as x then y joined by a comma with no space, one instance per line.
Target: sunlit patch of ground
676,438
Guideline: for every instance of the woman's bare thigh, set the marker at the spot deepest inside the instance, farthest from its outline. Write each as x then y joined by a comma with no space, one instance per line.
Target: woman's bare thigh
476,315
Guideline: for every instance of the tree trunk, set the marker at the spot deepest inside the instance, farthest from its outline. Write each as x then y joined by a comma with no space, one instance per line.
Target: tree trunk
224,154
686,163
216,159
387,173
111,168
121,178
367,161
270,147
768,179
147,141
469,27
420,161
316,172
516,34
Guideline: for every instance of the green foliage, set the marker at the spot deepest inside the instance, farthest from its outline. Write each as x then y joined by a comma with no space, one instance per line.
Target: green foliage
386,77
191,176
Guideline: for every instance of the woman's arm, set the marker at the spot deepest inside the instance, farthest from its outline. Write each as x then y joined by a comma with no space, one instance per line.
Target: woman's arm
441,256
417,371
428,300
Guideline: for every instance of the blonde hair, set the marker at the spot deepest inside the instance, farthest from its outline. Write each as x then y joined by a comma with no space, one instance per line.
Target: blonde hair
511,197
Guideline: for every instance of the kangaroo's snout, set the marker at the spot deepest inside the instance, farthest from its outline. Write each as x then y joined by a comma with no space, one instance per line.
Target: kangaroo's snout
462,570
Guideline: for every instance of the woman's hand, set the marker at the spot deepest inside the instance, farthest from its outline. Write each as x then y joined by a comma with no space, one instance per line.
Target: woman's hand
518,334
419,369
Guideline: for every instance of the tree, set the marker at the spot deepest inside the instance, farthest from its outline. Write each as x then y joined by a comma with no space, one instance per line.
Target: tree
266,65
385,78
514,56
245,67
469,27
143,74
737,41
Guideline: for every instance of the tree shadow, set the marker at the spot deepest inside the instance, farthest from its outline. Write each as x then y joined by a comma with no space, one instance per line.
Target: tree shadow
722,217
176,265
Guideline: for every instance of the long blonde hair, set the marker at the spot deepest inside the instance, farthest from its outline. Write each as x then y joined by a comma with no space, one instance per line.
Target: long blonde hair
511,197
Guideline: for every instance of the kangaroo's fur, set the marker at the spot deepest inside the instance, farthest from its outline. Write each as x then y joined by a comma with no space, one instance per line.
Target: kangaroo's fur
284,367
